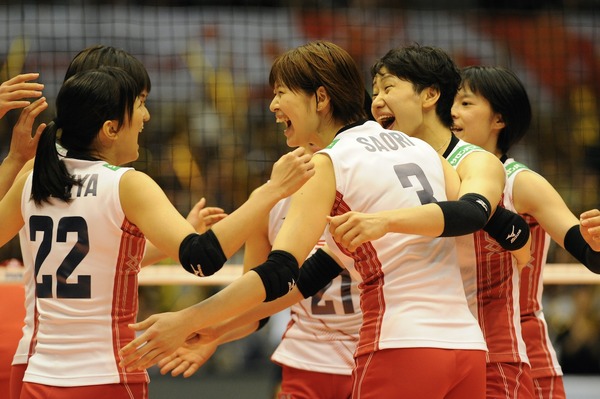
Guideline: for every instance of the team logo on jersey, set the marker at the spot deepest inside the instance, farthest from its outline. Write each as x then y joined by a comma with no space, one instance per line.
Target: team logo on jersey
460,152
513,236
514,167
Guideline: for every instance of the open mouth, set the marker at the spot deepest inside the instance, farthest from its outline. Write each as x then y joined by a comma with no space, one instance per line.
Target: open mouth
455,129
283,122
387,121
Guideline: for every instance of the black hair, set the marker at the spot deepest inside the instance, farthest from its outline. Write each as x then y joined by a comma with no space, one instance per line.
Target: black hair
99,55
84,103
507,96
424,67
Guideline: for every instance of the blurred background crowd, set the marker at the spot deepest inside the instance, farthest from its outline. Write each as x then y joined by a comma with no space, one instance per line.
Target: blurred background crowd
212,134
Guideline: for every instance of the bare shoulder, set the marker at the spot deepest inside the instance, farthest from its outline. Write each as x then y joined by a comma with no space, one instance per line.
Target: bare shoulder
133,179
532,191
136,187
481,163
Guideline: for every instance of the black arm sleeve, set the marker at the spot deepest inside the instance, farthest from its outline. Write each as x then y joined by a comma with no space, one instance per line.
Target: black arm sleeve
581,250
316,271
465,216
510,230
201,254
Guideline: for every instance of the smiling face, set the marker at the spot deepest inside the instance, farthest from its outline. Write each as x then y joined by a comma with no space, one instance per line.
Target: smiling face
396,105
143,97
474,121
130,131
297,110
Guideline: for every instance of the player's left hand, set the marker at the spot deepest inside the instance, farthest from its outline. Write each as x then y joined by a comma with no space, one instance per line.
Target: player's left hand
590,228
15,91
165,332
23,144
189,358
355,228
203,217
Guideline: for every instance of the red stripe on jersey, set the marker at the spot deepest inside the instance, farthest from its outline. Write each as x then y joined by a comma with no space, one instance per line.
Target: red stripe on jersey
540,351
531,275
497,299
372,301
36,323
125,294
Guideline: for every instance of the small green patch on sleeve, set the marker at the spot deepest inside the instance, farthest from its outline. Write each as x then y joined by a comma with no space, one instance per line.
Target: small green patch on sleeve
111,167
332,143
513,167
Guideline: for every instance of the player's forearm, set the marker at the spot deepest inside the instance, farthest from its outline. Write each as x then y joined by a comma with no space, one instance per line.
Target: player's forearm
9,169
235,229
260,312
244,293
236,333
426,220
468,214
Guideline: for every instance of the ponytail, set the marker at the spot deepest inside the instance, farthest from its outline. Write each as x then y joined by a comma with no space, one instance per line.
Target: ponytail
50,176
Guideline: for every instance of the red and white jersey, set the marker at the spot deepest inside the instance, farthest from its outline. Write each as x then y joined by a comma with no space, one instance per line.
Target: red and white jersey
411,288
24,348
323,330
542,357
491,279
86,258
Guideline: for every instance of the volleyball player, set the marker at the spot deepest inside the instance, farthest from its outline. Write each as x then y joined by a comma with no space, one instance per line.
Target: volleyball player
492,110
418,337
327,322
413,91
100,114
200,217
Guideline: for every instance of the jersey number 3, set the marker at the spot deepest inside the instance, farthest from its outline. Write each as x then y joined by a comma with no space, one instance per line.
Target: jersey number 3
70,224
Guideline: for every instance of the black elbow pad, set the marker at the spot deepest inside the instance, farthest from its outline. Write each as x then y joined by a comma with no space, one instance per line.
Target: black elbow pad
278,274
510,230
465,216
318,270
581,250
201,254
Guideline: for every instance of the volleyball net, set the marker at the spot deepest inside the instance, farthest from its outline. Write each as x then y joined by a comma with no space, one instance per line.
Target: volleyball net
554,274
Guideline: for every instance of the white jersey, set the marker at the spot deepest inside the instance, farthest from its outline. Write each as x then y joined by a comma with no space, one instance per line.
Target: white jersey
411,290
24,347
86,258
323,331
491,279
